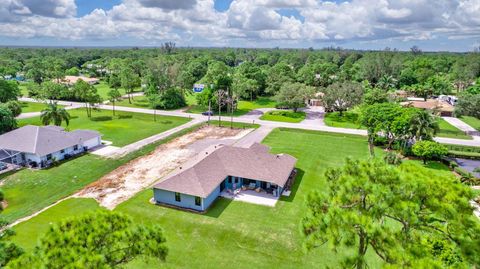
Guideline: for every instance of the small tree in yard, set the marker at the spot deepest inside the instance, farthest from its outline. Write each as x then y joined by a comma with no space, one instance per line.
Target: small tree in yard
370,206
114,95
428,150
54,113
294,95
98,240
342,96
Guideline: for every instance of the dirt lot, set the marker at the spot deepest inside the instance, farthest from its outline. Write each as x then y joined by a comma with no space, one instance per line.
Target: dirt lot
138,174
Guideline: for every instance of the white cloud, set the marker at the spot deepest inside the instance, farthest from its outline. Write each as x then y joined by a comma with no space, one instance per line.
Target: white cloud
245,21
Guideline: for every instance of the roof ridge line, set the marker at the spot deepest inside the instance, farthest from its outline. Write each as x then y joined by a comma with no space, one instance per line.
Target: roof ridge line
36,139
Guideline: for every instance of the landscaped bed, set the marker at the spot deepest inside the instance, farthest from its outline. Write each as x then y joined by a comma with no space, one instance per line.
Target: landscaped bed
122,129
284,116
344,120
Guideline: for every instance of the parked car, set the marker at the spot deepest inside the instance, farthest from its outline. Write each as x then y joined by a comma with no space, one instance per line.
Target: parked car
3,166
207,113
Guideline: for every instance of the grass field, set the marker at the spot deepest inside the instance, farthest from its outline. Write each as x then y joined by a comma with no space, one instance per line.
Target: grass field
50,185
103,89
284,116
472,121
347,120
243,106
450,131
122,129
23,89
256,236
33,107
137,101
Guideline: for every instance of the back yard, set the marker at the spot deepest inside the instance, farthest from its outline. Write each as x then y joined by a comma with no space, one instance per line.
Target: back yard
122,129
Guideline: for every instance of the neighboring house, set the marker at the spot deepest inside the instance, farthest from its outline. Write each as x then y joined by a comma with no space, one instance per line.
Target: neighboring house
39,146
317,99
438,107
70,80
226,169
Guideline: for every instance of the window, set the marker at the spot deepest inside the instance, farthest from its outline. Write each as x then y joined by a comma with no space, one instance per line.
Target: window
62,151
236,180
49,157
177,197
229,179
75,147
198,201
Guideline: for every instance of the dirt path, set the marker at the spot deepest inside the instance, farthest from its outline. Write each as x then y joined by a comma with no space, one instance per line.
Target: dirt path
129,179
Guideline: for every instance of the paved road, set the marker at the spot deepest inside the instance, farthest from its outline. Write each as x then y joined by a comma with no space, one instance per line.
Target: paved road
67,105
245,119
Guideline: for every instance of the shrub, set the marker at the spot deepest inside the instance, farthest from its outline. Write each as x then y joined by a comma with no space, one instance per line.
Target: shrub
393,158
429,150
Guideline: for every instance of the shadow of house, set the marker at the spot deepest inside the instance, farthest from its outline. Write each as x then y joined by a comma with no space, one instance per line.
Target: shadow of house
294,188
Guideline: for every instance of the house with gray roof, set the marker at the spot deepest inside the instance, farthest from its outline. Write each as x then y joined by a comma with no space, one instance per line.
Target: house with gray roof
39,146
226,169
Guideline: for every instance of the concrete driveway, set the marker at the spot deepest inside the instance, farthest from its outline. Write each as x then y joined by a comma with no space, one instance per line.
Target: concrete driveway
314,115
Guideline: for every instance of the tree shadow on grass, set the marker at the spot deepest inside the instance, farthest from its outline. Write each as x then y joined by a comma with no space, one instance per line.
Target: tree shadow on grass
101,118
298,180
166,122
217,208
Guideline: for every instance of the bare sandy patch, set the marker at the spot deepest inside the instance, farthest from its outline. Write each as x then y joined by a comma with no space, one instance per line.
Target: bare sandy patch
127,180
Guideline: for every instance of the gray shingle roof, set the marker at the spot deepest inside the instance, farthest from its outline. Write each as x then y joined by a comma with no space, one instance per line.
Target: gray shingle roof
253,163
43,140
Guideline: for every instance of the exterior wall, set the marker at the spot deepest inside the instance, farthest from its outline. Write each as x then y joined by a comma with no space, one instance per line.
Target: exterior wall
92,142
59,155
207,202
168,197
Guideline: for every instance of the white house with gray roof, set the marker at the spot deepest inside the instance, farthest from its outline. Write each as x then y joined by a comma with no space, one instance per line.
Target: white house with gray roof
39,146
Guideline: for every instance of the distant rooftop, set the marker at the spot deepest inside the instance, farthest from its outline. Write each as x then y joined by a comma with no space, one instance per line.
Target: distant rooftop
43,140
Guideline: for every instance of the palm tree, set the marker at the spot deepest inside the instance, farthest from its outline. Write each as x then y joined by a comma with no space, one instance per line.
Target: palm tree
54,113
386,82
423,125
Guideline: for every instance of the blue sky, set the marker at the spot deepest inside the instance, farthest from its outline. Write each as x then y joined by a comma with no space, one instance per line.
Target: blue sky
452,25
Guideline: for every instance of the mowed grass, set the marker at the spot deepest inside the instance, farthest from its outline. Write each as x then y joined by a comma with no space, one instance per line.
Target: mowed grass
103,89
472,121
284,116
33,107
345,120
235,234
122,129
243,106
28,191
450,131
137,101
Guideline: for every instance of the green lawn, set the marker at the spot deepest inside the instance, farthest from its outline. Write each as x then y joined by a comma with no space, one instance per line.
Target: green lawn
450,131
235,234
103,89
27,191
346,120
122,129
472,121
33,107
255,236
23,89
284,116
137,101
243,106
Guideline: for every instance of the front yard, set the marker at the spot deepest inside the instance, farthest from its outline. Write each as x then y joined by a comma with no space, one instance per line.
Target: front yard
450,131
284,116
472,121
243,106
122,129
32,107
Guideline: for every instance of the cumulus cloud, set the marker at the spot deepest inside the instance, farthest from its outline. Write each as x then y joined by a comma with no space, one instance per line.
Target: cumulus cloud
245,21
169,5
